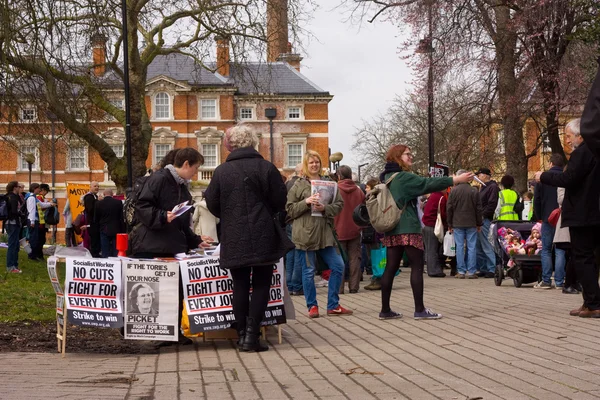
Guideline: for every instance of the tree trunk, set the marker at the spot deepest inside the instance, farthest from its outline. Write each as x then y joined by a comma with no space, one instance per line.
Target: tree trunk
505,42
551,111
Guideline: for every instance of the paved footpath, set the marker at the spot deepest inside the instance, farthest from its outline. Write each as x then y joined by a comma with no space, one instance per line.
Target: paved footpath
493,343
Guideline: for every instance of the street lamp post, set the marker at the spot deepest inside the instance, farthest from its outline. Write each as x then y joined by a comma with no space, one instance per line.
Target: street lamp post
52,119
271,113
426,46
359,167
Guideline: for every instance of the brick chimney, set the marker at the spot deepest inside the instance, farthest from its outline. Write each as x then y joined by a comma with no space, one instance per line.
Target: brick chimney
291,58
222,55
277,28
98,42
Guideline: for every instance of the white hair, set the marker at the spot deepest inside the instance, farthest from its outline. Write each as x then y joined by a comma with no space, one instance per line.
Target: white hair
461,171
574,126
241,136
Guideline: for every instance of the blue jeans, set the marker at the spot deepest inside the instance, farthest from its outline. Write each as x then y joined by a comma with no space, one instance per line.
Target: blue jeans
293,269
12,255
470,236
486,258
34,241
108,244
546,254
308,262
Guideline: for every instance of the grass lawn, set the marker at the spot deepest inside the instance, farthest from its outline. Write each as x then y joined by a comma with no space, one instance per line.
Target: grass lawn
27,296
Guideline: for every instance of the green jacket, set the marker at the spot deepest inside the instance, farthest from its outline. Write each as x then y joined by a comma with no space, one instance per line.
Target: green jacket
308,232
406,187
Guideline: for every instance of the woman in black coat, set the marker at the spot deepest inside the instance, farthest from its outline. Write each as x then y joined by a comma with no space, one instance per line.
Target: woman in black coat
245,192
159,233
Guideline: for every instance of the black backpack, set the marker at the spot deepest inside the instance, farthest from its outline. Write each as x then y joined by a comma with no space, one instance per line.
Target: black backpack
51,216
3,207
131,201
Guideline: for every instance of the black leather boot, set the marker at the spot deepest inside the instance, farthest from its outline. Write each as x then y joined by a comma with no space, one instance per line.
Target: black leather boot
241,331
252,340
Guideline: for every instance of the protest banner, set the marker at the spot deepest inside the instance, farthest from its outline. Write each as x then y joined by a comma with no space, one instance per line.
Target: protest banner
208,295
93,292
152,300
75,193
275,312
60,299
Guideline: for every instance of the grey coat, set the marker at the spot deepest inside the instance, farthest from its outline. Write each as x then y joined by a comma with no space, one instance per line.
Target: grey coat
464,207
561,235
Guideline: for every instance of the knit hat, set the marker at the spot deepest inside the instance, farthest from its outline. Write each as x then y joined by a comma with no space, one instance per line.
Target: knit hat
537,227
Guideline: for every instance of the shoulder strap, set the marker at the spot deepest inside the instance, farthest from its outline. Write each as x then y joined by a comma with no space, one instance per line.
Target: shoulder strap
440,203
391,178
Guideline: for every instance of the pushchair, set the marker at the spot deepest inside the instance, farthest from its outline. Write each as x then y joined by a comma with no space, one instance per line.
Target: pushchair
526,268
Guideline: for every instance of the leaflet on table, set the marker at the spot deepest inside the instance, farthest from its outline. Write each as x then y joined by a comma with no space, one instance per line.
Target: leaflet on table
93,292
152,300
181,208
208,295
326,191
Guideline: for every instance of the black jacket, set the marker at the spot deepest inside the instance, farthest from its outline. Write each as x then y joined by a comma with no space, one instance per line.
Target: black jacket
89,206
153,234
489,199
248,233
109,216
590,120
13,208
581,181
463,209
544,198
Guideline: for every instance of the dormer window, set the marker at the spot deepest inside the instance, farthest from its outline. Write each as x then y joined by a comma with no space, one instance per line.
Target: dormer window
162,106
28,114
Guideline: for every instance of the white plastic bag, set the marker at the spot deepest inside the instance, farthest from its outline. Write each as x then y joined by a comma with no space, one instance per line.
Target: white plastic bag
438,230
449,245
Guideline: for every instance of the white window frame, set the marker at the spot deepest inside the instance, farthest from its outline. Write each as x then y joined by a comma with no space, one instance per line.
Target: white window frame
546,148
169,104
217,109
217,155
252,110
121,149
155,157
293,139
300,113
22,114
501,138
287,152
21,158
85,166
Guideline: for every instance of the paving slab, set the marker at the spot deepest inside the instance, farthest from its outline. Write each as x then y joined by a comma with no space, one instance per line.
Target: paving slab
493,343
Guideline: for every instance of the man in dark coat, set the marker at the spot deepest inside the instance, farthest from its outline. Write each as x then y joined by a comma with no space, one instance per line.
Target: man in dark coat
109,217
89,207
581,214
546,201
590,120
486,258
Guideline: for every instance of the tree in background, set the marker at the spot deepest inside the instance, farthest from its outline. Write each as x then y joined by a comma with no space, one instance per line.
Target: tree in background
45,50
518,45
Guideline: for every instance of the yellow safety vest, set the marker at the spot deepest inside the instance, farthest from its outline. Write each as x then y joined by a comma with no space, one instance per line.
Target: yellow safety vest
508,199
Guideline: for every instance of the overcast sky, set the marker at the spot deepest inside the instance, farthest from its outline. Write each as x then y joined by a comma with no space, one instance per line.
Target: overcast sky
360,67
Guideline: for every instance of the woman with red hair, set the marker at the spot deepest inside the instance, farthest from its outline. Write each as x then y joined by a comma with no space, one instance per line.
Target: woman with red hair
406,236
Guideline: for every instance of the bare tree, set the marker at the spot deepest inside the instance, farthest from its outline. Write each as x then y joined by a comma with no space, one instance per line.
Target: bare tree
48,42
516,41
465,130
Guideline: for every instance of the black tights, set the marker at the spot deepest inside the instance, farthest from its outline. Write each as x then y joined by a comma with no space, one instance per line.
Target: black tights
255,308
415,259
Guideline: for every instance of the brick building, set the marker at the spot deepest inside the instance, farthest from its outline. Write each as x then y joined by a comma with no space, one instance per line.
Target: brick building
187,105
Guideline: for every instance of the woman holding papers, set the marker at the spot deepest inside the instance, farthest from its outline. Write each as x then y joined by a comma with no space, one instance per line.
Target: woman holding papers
312,232
246,192
161,232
